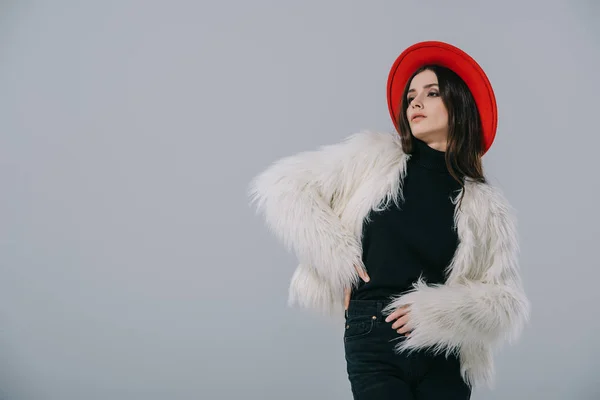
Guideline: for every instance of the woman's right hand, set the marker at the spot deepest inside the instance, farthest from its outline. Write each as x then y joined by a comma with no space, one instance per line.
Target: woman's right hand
364,276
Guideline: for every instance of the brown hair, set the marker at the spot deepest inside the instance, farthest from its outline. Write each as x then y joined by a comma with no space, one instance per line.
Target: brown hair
464,149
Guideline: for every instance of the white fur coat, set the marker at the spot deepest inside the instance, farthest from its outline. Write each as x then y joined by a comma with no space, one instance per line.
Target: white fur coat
316,203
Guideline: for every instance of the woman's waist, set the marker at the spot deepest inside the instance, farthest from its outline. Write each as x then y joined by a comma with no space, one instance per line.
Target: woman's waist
371,308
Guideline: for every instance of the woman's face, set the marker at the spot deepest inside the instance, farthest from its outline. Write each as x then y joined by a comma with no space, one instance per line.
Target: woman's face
427,114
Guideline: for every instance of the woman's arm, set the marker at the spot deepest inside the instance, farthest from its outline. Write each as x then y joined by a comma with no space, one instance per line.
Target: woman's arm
485,310
295,195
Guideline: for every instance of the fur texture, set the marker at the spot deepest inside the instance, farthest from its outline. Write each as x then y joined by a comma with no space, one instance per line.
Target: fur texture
316,202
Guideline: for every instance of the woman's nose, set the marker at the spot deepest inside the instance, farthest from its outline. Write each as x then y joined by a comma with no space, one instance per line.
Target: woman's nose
416,102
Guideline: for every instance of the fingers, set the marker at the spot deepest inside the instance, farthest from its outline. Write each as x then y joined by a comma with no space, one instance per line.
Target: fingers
400,325
364,276
399,312
346,298
405,330
362,273
402,318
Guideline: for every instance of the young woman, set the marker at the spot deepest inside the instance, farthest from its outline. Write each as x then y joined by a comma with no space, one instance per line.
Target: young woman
403,231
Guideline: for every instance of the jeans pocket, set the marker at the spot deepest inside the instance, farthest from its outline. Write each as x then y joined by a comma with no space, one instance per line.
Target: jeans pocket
357,327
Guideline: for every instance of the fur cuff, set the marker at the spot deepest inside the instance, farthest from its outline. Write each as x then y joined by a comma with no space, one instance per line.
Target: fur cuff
308,290
445,318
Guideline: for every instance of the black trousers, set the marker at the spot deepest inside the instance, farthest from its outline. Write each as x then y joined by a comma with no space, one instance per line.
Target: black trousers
376,372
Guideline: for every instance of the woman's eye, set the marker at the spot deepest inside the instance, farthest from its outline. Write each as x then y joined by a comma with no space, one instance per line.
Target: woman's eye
434,94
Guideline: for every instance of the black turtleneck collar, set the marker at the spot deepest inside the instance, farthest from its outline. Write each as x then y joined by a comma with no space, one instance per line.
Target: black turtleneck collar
428,157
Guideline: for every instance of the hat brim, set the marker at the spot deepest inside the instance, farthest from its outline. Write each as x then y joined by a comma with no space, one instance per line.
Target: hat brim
446,55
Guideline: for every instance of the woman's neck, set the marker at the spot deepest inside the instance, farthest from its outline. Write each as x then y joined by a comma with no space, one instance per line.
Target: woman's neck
428,157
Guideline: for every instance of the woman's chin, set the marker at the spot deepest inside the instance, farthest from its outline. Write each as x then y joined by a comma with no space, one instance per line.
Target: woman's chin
423,134
419,134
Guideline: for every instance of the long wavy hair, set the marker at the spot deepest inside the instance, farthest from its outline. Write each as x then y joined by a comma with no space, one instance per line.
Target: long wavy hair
464,146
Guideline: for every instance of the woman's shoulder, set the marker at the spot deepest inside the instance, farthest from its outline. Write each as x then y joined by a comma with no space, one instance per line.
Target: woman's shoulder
365,148
365,140
488,199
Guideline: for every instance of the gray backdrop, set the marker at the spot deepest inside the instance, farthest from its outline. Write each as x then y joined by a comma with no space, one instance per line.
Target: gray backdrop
131,266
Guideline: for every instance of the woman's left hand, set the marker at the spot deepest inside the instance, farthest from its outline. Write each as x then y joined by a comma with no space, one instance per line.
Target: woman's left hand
402,317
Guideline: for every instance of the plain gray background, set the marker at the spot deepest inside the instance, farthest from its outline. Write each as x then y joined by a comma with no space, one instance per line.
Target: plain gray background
132,267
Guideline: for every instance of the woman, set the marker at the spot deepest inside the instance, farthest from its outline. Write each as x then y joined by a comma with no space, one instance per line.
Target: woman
404,232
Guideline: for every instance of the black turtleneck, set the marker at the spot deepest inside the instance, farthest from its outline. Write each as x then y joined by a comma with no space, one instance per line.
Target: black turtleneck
417,239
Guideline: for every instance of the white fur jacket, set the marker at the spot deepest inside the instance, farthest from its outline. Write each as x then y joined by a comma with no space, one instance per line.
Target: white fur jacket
316,202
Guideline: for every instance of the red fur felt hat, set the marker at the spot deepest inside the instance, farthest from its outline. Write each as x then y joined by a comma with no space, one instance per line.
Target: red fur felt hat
445,55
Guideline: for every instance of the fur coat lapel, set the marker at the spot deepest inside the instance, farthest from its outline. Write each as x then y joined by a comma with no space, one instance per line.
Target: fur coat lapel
316,202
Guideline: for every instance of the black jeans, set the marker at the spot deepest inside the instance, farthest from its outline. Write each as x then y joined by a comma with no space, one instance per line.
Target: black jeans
376,372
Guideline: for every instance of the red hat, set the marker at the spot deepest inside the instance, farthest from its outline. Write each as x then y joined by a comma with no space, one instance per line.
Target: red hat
445,55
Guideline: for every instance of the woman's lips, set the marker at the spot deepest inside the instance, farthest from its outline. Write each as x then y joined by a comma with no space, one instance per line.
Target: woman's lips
417,119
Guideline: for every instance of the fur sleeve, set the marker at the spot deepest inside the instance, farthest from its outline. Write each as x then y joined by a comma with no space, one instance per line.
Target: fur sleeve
488,307
295,195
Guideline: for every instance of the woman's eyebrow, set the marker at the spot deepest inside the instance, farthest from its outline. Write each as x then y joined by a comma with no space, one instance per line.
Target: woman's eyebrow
425,87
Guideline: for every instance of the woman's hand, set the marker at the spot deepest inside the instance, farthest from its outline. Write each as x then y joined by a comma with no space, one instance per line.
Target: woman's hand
402,317
364,276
